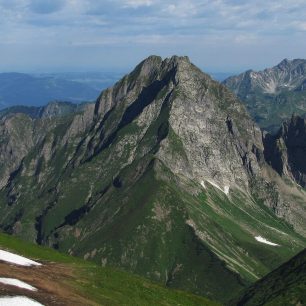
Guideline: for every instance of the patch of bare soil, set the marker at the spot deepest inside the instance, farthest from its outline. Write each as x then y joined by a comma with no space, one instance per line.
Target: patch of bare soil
51,280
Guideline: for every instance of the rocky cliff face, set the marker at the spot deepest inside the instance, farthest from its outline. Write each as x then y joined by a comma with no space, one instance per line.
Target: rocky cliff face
204,116
197,110
164,176
273,94
286,150
23,128
16,141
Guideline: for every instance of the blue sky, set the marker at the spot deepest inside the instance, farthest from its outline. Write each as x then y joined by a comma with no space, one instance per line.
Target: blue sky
80,35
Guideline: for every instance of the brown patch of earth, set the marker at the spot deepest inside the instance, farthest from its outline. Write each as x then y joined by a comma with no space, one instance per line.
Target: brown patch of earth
51,280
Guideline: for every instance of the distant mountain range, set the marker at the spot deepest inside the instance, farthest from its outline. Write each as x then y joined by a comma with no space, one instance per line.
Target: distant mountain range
96,80
38,90
274,94
53,109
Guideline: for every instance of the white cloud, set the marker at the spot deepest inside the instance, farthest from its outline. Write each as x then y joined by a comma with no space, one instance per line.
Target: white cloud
182,9
137,3
158,26
299,25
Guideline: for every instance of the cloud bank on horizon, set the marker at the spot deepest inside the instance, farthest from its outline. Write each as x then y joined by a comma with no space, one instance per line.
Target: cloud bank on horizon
224,35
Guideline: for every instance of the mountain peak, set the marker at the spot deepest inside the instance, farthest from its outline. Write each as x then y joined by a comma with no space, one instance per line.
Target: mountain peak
285,63
156,62
178,59
171,59
150,71
292,64
150,62
181,88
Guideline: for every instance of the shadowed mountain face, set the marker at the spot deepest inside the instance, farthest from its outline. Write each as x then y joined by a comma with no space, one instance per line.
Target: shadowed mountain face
274,94
164,176
24,89
286,150
284,286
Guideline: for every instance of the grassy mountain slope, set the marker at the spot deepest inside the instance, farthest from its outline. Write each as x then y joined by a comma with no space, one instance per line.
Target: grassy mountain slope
284,286
72,281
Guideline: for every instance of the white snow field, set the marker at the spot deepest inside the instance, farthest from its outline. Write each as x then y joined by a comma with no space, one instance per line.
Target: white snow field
264,240
16,259
18,301
16,283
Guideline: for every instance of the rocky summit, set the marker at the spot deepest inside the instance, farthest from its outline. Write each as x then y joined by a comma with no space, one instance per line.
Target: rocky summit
166,176
272,95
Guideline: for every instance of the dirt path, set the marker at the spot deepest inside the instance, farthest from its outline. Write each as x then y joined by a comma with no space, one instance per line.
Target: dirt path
51,280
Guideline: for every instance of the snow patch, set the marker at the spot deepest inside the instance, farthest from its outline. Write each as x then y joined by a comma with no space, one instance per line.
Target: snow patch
16,283
224,190
16,259
203,184
18,301
215,185
264,240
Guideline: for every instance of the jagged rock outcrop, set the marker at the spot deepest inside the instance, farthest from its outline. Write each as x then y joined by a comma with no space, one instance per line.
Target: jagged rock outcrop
23,128
16,134
200,112
164,176
286,150
273,94
204,116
